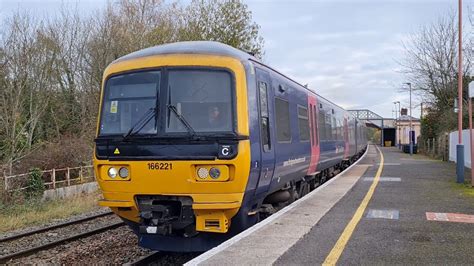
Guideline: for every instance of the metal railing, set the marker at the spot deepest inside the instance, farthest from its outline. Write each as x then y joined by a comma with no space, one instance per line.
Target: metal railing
53,178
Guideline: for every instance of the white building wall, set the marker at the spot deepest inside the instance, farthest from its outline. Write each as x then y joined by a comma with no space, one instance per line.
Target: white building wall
453,141
403,130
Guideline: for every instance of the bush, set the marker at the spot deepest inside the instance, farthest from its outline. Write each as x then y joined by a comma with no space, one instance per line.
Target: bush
35,184
68,151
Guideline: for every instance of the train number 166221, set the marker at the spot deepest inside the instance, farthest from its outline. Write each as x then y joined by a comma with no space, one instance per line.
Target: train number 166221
160,166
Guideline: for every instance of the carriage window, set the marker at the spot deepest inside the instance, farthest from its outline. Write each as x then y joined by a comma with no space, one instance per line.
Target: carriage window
265,127
282,113
328,126
303,123
322,125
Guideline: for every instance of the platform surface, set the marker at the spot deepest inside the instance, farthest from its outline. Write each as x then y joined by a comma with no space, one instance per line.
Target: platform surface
416,215
425,186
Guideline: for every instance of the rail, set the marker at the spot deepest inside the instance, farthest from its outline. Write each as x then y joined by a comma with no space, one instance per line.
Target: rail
28,251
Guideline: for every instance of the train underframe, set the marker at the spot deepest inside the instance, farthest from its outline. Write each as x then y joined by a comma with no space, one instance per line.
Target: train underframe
299,188
168,223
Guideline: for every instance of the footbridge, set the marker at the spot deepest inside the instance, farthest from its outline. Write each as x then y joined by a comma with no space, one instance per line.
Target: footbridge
387,126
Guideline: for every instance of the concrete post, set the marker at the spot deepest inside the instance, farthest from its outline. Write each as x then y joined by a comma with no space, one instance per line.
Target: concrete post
68,177
53,178
80,175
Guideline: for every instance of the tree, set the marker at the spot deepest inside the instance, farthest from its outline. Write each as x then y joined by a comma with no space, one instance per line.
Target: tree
23,91
51,68
229,22
431,67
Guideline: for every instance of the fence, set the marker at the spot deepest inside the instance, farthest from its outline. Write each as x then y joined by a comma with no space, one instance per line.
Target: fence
436,147
54,178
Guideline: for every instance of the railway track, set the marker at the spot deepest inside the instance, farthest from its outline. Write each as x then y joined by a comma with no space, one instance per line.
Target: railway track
163,258
146,260
23,252
49,228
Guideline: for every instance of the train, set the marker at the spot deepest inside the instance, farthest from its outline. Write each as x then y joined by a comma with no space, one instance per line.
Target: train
197,141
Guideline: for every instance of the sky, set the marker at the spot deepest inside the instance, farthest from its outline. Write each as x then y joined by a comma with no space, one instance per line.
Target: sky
345,50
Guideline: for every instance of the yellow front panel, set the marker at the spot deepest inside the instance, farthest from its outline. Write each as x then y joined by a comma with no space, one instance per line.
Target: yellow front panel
219,198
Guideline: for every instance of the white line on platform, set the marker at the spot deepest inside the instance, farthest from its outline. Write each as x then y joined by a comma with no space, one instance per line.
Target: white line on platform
207,255
383,214
420,160
386,179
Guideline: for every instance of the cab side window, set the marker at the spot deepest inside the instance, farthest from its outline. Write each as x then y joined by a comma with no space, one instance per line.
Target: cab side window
265,127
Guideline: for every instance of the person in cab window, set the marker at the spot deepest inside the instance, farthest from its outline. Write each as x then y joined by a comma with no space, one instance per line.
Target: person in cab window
216,119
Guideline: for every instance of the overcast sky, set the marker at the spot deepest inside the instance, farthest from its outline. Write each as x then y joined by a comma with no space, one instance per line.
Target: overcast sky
346,50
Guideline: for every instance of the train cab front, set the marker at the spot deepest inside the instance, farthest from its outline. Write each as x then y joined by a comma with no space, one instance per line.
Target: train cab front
172,153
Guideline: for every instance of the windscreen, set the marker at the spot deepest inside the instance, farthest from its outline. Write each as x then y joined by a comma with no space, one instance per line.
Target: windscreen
203,98
129,98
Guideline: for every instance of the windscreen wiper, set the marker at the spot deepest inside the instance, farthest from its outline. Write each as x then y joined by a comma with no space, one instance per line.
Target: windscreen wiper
182,119
146,117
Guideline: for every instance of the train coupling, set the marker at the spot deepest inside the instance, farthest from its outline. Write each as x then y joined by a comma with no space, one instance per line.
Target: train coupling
166,215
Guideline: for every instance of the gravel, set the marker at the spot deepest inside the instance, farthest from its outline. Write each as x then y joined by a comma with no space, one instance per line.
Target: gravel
42,238
116,246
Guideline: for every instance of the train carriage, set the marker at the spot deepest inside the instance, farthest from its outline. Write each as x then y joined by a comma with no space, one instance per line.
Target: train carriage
197,141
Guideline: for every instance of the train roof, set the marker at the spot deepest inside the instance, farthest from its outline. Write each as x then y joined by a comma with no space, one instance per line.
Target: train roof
193,47
206,47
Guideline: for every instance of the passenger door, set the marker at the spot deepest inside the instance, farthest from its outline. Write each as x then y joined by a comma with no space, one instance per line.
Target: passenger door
267,148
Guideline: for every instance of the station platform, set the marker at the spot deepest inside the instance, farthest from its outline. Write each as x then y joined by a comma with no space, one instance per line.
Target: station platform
389,208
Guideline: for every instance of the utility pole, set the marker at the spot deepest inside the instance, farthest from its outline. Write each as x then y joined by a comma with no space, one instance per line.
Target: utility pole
399,128
421,110
411,127
460,146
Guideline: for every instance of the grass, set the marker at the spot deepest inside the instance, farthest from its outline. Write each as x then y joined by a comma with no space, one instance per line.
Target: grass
465,189
27,214
420,156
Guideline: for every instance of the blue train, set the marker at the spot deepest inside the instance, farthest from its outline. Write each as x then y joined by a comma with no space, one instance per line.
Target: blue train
197,141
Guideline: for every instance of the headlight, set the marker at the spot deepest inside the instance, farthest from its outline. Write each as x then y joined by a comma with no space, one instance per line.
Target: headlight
215,173
112,172
123,172
202,172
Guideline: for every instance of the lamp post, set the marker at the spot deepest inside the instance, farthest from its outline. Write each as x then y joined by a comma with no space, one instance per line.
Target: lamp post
460,146
398,120
411,128
395,125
